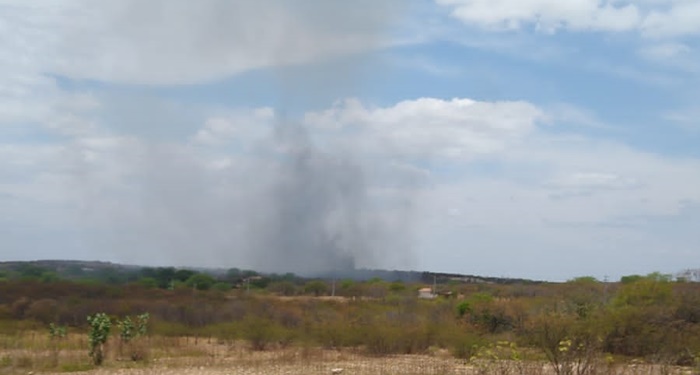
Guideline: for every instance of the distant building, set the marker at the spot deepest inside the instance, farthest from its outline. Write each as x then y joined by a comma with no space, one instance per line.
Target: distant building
426,293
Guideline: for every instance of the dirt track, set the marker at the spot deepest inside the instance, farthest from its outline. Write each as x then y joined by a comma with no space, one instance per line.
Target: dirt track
349,365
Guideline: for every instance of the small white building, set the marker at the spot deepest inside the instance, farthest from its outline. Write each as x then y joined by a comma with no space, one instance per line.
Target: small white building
426,293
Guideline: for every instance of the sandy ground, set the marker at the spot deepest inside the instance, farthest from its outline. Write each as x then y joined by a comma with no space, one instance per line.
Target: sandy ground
214,359
207,357
361,367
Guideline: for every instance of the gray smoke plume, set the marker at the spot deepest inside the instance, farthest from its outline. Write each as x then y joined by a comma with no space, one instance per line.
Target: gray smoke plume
280,203
317,219
290,208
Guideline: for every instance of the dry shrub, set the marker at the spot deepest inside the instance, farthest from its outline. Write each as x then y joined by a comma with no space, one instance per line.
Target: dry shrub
332,335
43,310
138,350
5,312
380,340
465,345
24,361
19,307
262,333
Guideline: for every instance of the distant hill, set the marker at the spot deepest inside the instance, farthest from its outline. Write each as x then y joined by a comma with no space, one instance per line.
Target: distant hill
117,273
422,276
65,265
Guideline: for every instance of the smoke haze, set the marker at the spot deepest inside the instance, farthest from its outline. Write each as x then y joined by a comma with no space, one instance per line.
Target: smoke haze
317,217
249,188
286,206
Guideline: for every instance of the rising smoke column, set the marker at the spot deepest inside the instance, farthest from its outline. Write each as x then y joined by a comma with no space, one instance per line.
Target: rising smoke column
148,193
317,218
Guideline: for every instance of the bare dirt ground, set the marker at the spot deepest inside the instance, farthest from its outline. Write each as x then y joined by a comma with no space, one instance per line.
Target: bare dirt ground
259,363
188,356
205,356
409,365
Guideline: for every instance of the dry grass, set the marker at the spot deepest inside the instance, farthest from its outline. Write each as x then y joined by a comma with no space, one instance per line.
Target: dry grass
35,353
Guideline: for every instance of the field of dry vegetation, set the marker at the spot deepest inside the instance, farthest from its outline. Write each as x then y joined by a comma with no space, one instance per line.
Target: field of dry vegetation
639,325
32,353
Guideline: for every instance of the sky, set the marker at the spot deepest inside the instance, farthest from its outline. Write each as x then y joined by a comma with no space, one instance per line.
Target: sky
541,139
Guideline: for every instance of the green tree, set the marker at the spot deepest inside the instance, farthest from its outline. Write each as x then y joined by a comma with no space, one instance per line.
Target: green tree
397,287
630,279
233,275
350,288
100,325
463,308
258,282
48,277
654,289
148,282
200,281
643,319
571,345
31,272
183,275
316,287
583,295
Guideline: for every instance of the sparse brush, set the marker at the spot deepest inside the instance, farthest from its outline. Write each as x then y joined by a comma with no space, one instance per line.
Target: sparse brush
56,334
131,334
100,325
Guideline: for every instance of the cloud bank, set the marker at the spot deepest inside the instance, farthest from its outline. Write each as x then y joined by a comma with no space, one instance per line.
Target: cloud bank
664,19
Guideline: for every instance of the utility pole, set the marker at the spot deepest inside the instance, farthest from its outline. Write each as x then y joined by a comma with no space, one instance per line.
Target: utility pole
434,285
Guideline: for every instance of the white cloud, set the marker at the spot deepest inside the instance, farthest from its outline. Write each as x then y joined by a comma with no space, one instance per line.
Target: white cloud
457,128
29,96
545,15
509,182
517,188
241,125
672,18
672,54
567,114
172,42
612,180
594,180
687,118
680,19
570,201
665,50
25,37
661,32
159,42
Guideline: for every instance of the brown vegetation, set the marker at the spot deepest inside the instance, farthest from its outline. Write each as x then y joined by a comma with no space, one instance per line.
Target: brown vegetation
580,327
